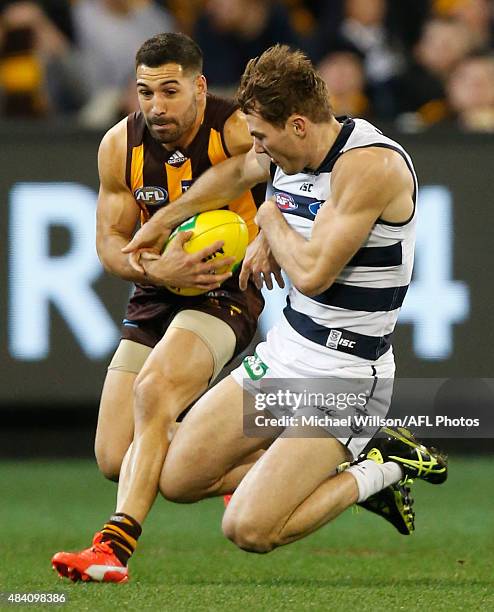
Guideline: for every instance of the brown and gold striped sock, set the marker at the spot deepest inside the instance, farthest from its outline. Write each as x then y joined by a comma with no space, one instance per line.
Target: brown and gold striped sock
121,533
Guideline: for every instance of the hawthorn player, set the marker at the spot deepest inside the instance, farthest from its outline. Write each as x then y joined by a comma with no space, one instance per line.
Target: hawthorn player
172,346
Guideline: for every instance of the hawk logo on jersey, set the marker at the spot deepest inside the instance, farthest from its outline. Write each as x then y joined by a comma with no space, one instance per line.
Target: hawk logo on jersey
177,159
151,195
314,207
284,201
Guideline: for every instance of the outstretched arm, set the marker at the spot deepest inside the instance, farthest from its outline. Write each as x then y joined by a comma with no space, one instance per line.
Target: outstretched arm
219,185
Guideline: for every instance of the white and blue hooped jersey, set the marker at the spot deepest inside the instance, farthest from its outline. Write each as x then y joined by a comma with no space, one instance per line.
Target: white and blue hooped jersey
358,313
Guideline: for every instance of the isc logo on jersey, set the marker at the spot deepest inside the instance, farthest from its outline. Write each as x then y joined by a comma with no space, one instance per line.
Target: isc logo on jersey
151,195
335,340
284,201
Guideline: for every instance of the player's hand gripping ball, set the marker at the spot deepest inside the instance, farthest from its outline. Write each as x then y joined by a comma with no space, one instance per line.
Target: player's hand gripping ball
208,227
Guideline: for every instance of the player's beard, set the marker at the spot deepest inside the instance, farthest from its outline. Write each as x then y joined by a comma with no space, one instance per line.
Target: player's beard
173,129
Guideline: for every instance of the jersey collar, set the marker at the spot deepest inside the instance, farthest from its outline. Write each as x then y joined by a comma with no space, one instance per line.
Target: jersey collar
347,127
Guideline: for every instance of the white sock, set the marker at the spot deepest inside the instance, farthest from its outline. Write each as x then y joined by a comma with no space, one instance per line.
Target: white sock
372,477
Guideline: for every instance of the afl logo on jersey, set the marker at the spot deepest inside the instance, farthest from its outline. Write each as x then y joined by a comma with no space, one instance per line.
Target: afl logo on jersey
284,201
151,195
314,207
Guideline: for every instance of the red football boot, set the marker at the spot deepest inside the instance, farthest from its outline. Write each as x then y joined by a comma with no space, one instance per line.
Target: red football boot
98,564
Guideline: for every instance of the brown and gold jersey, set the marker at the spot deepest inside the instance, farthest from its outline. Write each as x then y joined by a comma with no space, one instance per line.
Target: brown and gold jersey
156,176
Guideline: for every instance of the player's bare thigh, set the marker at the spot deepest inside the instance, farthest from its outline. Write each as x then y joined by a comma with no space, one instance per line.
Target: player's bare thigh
174,375
290,471
115,419
215,342
185,361
209,444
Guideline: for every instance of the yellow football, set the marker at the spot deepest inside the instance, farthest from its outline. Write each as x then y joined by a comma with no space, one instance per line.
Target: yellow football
208,227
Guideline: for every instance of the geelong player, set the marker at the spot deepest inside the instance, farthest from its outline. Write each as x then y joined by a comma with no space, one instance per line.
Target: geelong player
350,266
341,223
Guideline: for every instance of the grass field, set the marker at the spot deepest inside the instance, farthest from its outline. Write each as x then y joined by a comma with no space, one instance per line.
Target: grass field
184,563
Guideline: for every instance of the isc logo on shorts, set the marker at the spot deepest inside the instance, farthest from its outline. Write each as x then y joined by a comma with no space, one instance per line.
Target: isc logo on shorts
255,367
335,340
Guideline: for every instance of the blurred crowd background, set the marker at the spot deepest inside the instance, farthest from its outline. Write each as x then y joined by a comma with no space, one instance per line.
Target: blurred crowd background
423,70
421,64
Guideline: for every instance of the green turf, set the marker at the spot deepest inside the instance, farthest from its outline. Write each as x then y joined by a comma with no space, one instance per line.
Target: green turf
184,563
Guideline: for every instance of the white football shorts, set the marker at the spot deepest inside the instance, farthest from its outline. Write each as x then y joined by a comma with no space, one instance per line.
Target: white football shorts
325,391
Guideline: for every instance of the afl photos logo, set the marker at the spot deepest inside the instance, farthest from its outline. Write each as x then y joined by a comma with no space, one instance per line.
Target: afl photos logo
284,201
151,195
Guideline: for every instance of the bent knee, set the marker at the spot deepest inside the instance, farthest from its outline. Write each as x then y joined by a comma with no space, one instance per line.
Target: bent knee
109,464
154,380
155,398
110,453
186,477
150,385
179,488
163,394
247,534
175,491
